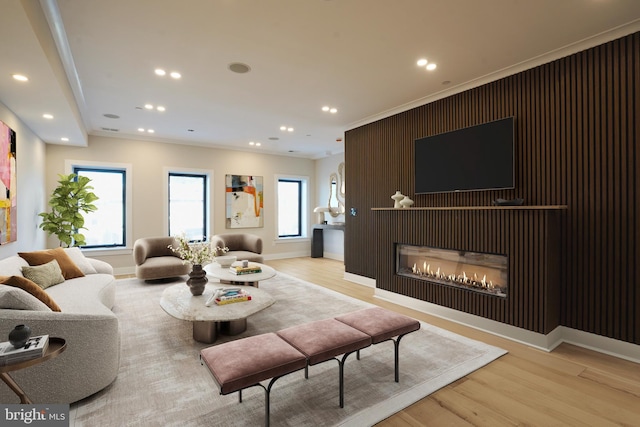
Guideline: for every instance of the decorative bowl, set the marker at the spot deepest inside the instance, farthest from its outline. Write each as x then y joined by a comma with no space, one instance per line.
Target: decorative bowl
226,260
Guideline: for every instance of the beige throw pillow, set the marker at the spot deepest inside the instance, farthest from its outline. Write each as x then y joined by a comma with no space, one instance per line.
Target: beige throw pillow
44,275
68,267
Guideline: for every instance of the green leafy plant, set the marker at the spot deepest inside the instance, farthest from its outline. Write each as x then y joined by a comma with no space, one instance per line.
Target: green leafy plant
72,197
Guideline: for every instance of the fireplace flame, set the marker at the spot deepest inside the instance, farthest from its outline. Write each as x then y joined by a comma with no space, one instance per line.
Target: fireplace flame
461,279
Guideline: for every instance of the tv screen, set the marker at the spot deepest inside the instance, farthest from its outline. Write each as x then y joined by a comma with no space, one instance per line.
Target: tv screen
474,158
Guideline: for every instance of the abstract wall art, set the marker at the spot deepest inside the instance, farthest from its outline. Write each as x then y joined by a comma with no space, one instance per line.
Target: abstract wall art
244,201
8,185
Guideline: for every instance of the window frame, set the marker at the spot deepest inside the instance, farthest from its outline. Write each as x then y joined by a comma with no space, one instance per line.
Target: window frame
304,207
209,188
205,194
127,169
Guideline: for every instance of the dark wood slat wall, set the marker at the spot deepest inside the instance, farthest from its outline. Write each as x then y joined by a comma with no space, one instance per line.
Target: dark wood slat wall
527,237
576,144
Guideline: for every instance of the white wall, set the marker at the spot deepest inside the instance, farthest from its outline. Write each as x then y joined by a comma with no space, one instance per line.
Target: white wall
333,239
149,161
30,161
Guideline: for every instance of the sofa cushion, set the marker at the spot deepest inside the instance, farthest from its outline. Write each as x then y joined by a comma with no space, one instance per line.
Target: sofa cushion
80,260
44,275
17,299
32,288
69,269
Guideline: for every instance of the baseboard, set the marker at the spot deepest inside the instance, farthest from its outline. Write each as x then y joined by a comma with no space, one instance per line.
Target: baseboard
610,346
360,280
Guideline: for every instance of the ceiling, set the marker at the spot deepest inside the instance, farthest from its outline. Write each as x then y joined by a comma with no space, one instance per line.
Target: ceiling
88,59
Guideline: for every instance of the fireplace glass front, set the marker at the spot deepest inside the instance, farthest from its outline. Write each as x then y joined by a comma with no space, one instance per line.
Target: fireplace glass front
476,271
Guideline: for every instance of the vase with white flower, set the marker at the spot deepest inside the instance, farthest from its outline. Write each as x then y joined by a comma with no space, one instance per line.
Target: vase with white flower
198,253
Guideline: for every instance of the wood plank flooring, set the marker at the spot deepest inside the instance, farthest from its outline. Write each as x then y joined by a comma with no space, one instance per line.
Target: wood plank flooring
570,386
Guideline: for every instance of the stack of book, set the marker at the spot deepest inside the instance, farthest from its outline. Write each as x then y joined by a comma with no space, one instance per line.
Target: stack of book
35,347
230,296
250,269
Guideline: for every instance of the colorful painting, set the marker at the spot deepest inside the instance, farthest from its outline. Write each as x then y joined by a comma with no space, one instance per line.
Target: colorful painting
244,200
8,187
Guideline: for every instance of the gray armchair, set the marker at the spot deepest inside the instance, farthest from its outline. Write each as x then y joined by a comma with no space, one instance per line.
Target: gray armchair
243,246
154,260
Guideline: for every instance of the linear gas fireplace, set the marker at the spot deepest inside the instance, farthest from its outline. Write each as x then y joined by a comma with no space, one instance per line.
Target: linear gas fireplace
476,271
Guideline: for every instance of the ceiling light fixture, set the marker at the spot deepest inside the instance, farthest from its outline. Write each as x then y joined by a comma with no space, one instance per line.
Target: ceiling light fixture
64,139
289,129
160,72
148,106
140,129
47,116
160,108
20,77
333,110
325,108
151,131
258,144
175,75
328,109
430,66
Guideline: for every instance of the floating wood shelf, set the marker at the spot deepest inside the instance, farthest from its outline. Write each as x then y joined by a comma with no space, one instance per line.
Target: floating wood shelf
475,208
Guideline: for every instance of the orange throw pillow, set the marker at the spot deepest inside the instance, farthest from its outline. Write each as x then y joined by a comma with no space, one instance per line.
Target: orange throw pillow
69,269
28,286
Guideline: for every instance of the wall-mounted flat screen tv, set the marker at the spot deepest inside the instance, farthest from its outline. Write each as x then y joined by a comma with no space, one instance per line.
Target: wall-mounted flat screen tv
475,158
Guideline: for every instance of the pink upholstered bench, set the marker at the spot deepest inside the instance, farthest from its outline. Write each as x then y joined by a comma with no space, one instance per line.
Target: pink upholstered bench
246,362
323,340
382,325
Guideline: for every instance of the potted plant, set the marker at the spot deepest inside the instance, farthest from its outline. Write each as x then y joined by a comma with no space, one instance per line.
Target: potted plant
69,200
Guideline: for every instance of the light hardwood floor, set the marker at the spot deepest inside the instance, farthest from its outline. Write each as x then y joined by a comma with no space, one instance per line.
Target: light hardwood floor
570,386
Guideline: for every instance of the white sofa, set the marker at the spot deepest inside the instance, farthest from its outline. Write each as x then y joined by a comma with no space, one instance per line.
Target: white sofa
92,357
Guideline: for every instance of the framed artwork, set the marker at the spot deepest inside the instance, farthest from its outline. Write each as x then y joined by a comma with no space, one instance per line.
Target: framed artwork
8,186
244,201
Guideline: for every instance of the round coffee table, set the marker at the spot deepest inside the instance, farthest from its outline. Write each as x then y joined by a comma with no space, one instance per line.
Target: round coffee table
215,270
229,319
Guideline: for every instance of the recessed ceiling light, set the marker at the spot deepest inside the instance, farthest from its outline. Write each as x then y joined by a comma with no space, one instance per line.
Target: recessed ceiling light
160,108
283,128
422,62
151,131
148,106
252,143
160,72
431,66
47,116
63,139
20,77
333,110
258,144
175,75
140,129
289,129
325,108
239,67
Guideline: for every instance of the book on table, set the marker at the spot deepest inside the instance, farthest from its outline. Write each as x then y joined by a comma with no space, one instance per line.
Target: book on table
34,347
232,296
250,269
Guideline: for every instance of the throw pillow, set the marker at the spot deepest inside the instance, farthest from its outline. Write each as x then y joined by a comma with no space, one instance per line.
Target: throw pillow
13,298
44,275
69,269
35,290
80,260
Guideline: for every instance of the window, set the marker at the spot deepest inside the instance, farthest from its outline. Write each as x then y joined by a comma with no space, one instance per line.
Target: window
105,227
188,205
292,202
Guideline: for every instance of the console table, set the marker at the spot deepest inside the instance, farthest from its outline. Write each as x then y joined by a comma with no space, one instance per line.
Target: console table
317,240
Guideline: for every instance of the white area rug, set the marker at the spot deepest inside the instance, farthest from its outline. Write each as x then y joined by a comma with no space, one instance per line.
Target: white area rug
162,383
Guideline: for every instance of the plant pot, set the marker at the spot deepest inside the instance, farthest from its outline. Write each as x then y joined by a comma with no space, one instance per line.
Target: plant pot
197,280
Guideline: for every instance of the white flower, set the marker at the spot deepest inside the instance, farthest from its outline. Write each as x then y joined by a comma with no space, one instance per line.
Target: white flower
199,252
